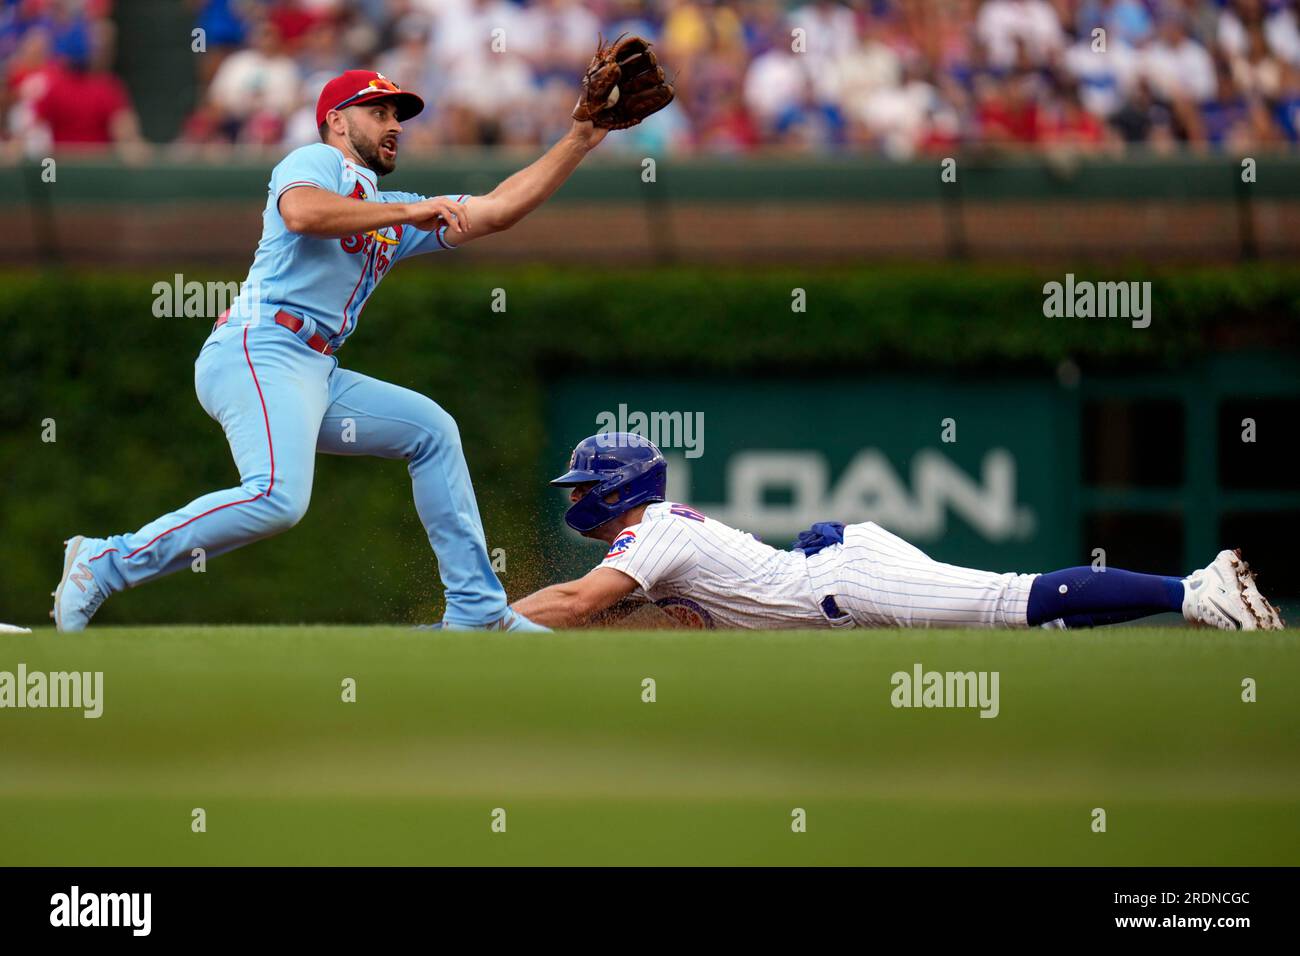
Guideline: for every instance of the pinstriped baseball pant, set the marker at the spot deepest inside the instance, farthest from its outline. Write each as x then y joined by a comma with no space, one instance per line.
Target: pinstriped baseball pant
882,581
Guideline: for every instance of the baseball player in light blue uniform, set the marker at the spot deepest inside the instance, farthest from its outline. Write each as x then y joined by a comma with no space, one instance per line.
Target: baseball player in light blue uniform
268,375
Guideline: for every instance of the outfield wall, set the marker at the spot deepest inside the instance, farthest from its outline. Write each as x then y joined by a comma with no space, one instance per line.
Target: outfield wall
1032,208
1144,460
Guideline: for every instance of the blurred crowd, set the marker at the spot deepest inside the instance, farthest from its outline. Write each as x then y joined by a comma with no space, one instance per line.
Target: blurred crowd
59,88
896,77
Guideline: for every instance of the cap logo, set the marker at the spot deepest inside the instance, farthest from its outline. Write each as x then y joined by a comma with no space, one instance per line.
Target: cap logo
380,82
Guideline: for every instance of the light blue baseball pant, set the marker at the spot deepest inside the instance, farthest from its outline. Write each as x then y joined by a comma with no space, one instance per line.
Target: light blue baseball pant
280,403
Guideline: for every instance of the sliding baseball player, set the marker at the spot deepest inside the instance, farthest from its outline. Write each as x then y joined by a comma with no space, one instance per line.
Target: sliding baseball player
706,574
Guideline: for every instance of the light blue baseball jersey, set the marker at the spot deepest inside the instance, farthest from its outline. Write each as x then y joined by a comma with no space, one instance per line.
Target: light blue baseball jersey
328,280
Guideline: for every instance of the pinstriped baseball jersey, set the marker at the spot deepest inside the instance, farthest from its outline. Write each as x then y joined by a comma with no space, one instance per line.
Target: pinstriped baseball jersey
709,574
705,571
328,280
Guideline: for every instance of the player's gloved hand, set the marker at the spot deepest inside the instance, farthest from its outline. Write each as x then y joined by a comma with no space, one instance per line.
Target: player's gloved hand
432,214
821,535
624,84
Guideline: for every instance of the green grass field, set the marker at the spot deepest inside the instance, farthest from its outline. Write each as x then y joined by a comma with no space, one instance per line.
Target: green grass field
248,723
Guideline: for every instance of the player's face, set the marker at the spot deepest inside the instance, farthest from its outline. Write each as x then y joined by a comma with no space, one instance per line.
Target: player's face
600,532
578,491
372,133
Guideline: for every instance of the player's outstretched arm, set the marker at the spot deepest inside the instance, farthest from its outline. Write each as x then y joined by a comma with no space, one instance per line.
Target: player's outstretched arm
571,603
527,189
623,84
325,215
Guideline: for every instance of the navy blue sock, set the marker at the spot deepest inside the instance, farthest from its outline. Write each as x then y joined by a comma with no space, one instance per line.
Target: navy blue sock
1102,597
1074,622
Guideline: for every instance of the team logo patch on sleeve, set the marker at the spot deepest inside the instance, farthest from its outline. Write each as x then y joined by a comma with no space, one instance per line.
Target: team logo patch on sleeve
621,544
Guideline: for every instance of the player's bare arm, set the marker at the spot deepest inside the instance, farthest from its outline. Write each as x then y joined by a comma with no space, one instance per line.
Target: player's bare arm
527,189
573,602
324,215
622,86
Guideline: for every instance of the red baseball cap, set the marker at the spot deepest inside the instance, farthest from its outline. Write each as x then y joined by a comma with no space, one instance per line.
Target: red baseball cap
362,86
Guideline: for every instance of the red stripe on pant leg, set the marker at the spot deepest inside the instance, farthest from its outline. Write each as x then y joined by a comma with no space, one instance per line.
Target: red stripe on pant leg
266,418
195,518
263,494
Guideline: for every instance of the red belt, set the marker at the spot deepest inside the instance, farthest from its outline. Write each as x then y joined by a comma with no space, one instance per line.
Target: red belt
317,342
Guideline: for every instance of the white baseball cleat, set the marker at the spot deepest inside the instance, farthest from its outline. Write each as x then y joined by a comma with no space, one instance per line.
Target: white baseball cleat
1225,596
78,595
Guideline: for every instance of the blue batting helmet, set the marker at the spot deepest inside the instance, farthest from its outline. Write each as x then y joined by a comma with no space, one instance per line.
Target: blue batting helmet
619,462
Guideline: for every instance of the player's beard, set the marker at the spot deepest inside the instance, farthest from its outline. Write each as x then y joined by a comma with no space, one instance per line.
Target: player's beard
368,151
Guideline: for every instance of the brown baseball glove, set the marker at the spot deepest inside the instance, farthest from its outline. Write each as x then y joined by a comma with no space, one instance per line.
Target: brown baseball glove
624,84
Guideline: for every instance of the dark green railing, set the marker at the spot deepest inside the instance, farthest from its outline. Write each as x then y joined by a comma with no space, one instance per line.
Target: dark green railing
617,178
